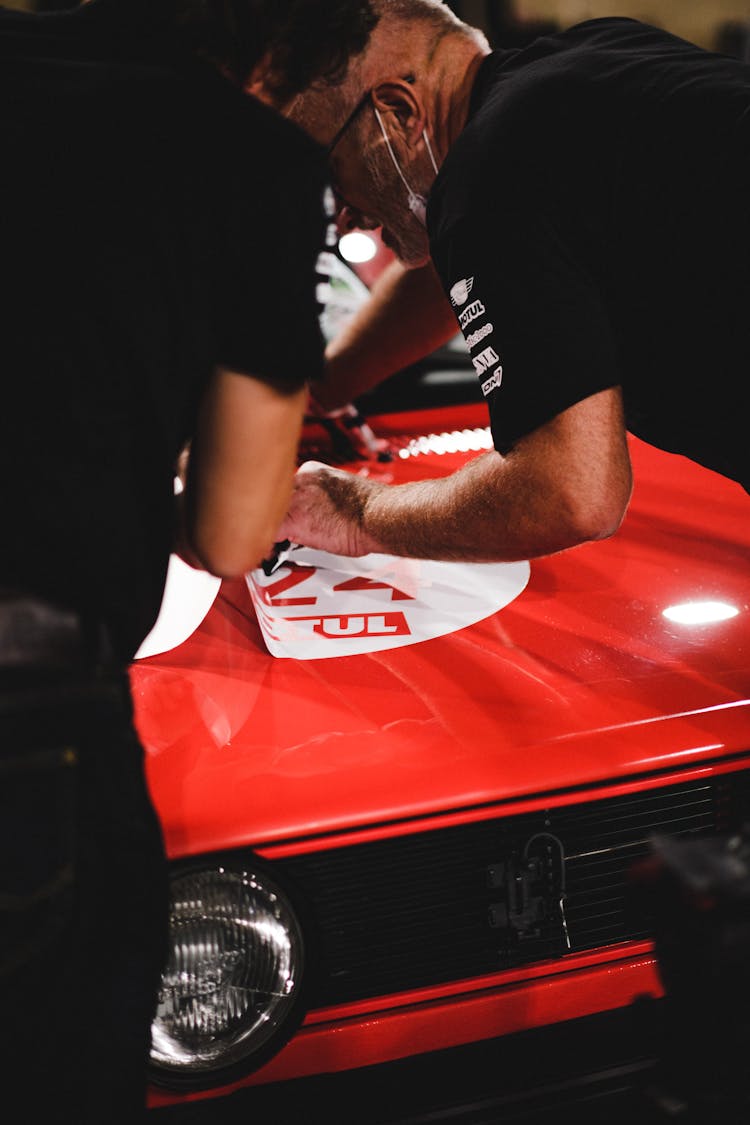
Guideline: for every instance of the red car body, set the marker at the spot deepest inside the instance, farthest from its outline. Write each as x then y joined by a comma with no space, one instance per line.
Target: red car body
579,690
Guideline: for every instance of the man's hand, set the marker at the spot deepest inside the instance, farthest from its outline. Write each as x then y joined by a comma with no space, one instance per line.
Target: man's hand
567,482
327,510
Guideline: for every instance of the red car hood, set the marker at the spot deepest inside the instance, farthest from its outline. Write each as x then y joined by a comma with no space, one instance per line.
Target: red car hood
579,680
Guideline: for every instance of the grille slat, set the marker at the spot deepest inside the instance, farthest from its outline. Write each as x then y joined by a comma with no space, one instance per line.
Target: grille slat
414,911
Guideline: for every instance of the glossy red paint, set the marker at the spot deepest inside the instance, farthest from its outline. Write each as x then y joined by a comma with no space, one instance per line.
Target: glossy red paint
327,1043
492,810
579,688
580,682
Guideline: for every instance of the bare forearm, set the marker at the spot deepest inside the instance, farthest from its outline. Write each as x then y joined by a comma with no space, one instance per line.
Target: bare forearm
239,474
566,483
406,318
562,485
485,512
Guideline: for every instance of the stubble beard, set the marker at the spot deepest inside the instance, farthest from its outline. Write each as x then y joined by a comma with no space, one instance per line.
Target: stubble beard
408,238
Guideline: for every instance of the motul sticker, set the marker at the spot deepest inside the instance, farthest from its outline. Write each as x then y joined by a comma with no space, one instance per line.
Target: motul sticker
318,605
471,312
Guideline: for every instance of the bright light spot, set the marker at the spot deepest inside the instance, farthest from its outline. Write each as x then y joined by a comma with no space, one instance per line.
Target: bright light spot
357,247
463,441
700,613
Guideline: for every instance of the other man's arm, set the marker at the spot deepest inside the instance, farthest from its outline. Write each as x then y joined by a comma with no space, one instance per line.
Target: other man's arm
240,473
406,318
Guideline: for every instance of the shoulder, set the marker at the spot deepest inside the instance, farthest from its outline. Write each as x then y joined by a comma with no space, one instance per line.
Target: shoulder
243,130
227,142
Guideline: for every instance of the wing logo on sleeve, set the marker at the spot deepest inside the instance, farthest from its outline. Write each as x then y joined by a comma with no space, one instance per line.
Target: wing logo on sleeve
460,291
324,605
493,382
471,312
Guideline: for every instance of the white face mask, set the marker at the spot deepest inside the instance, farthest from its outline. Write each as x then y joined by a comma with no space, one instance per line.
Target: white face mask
417,203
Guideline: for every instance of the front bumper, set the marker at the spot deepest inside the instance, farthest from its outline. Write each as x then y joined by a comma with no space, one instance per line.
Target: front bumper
601,1068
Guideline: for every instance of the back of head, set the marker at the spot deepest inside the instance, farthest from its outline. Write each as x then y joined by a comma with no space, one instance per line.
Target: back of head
415,32
421,40
300,41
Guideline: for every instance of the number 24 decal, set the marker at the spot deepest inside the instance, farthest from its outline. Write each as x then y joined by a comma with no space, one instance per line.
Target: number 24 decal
273,593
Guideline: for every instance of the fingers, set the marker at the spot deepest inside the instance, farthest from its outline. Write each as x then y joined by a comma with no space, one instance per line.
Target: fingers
306,507
325,510
309,467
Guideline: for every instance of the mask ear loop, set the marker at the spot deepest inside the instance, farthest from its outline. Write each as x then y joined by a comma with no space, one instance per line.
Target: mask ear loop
392,154
429,149
417,203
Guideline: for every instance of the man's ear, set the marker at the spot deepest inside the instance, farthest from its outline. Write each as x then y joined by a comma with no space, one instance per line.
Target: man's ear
398,98
262,82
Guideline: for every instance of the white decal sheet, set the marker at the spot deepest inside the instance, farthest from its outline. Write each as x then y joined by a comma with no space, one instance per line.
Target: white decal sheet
317,605
188,596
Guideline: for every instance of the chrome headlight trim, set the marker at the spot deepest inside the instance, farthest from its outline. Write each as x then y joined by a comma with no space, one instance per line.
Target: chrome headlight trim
232,991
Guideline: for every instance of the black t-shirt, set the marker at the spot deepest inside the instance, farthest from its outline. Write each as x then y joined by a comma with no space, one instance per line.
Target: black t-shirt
592,227
154,222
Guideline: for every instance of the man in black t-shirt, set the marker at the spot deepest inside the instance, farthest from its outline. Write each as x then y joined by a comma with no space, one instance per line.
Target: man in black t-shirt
160,230
587,219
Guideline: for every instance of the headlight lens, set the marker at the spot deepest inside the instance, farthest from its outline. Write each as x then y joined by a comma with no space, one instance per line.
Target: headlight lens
233,977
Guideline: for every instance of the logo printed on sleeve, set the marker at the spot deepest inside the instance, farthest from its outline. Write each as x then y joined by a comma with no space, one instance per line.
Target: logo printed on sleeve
460,291
471,312
483,362
494,381
476,337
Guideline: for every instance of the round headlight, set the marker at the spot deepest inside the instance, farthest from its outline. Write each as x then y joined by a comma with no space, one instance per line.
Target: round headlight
230,990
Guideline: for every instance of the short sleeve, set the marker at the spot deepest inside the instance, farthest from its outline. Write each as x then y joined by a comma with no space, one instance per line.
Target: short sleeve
531,313
262,230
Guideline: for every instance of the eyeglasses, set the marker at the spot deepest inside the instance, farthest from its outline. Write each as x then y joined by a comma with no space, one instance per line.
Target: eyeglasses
352,116
356,112
342,201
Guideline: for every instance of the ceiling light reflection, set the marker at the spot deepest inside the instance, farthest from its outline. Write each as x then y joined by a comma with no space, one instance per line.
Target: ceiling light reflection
357,247
700,613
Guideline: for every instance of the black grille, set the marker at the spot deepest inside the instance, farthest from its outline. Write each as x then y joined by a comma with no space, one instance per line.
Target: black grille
432,907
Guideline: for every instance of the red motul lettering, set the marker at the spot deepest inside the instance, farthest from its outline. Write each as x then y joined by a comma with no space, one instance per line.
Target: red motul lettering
362,625
338,626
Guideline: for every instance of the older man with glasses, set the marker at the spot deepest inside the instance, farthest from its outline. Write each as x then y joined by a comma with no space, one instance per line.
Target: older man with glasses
587,228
